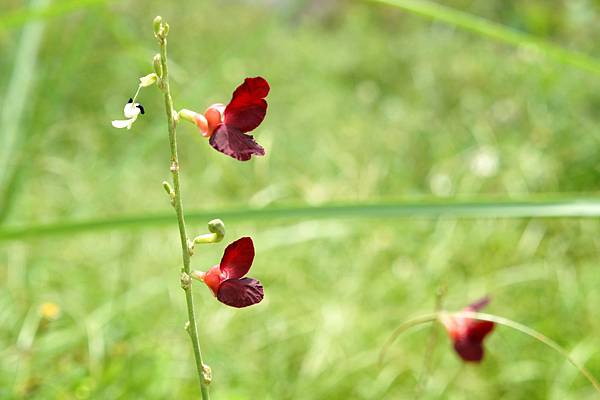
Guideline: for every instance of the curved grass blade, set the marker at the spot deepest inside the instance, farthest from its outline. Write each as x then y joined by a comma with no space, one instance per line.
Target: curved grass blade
427,318
537,336
495,31
579,208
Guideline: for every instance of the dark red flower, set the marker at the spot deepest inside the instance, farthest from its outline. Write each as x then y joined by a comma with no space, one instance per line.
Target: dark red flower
468,333
226,126
227,281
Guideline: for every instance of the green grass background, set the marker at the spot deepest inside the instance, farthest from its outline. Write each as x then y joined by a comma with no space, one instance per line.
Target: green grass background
369,104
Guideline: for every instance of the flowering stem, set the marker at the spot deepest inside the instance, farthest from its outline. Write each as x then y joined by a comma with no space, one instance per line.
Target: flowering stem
500,321
537,336
191,328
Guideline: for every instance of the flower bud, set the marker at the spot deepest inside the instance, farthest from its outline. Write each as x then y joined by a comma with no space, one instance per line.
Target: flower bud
157,23
157,65
217,227
148,80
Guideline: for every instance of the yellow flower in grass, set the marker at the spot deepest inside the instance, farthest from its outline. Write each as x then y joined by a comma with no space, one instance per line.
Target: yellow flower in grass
49,311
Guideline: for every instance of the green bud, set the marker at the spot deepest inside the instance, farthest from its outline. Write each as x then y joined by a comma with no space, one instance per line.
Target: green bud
217,227
157,65
157,23
168,188
148,80
169,191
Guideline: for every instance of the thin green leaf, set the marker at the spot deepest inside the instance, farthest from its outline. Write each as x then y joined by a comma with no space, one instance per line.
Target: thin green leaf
495,31
18,93
580,208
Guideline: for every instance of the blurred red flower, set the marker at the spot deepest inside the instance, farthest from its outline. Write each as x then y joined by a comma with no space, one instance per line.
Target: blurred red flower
227,281
467,333
226,126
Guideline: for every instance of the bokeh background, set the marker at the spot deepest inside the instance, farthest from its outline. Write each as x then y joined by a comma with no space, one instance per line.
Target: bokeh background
369,103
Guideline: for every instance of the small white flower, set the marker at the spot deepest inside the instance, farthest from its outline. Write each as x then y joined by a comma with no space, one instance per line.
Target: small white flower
131,112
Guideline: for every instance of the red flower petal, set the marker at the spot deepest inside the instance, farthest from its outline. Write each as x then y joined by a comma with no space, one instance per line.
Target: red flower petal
240,292
214,118
237,259
468,333
477,330
213,279
469,351
247,107
234,143
469,344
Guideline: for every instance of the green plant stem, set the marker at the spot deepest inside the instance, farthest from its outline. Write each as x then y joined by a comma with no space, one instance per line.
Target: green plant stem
431,345
191,326
403,327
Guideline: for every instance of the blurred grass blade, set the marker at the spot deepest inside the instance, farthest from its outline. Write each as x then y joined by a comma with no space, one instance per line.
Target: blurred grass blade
456,209
17,95
495,31
24,15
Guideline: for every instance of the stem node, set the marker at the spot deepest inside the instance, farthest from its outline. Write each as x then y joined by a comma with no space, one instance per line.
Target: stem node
206,374
186,282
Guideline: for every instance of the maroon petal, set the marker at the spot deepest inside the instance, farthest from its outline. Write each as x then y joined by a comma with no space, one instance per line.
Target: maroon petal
478,305
240,292
468,333
247,107
468,341
477,330
469,351
231,141
237,259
